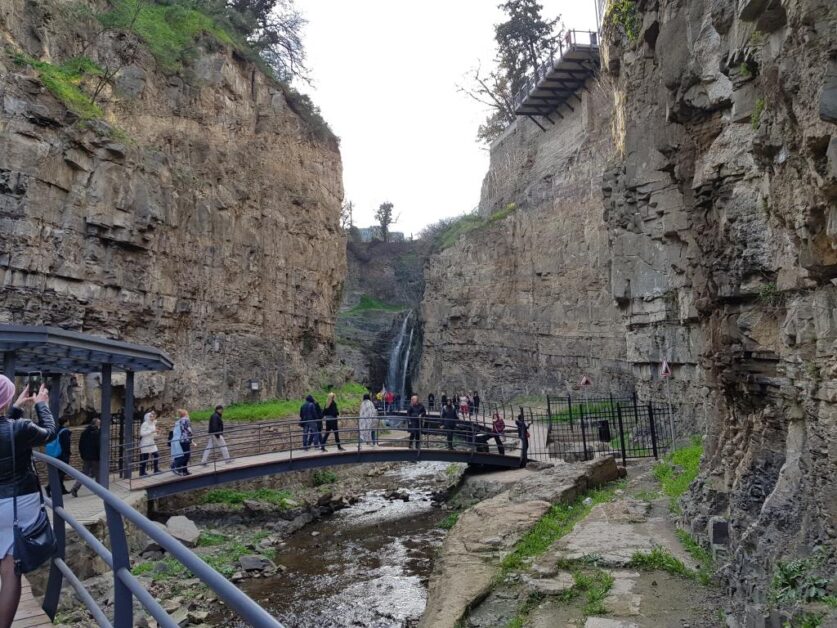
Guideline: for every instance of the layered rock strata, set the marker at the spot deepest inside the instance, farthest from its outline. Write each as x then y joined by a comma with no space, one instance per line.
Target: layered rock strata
199,214
523,304
721,214
713,249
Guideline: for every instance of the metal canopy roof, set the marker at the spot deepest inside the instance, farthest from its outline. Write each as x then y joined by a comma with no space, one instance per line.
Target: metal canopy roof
55,350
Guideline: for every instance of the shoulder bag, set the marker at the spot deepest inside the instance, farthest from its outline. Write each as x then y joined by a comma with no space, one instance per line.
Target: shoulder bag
34,545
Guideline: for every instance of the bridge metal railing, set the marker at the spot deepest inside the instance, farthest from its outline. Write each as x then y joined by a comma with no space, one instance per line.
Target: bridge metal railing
286,438
126,585
571,40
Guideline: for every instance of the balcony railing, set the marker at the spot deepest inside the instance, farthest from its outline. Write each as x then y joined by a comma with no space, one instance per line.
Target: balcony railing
572,40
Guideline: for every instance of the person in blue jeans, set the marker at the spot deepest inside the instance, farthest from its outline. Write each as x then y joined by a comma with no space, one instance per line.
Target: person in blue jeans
309,419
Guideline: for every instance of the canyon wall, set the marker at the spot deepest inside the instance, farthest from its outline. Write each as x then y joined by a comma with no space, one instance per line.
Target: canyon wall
721,212
198,213
522,304
685,211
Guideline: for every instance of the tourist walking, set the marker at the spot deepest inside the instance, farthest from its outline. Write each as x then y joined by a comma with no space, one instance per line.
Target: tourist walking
331,413
148,443
181,443
431,401
498,428
449,418
367,421
19,486
89,448
463,406
216,437
415,414
476,401
309,420
389,400
59,447
444,399
523,435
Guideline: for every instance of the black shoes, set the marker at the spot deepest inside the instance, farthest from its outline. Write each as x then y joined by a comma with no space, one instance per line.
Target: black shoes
339,448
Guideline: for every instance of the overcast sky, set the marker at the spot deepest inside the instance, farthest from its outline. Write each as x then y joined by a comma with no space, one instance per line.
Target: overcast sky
385,75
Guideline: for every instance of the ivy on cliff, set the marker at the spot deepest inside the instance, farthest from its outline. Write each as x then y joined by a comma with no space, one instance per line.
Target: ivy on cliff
624,14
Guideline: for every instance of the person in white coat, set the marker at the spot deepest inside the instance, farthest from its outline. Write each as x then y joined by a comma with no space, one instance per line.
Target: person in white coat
368,419
148,443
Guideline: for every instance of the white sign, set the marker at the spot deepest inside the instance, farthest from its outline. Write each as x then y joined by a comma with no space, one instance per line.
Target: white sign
665,370
585,381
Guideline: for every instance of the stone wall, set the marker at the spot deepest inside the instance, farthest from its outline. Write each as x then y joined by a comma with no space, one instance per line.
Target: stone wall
721,213
199,215
523,304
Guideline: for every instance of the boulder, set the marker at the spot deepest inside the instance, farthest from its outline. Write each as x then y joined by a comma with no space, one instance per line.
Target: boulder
184,530
254,562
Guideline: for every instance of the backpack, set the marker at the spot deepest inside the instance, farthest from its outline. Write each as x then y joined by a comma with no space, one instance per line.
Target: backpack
53,447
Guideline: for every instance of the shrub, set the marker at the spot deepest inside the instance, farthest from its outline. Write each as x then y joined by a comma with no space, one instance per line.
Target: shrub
798,581
448,522
624,13
324,476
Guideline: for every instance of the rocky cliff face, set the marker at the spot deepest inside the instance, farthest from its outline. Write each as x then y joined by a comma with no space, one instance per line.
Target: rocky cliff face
702,232
384,283
199,213
721,213
523,304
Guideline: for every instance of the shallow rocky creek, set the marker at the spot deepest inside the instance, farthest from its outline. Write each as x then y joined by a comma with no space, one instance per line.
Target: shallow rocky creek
365,565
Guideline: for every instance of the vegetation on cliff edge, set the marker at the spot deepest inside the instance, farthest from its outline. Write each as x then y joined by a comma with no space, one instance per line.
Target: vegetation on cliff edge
678,471
445,233
64,82
367,304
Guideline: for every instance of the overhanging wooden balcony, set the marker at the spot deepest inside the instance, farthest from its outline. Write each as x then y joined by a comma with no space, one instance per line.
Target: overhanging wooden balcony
560,78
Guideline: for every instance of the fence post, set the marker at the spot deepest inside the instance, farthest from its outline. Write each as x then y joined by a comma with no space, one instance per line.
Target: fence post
53,588
583,433
570,411
123,603
621,435
653,430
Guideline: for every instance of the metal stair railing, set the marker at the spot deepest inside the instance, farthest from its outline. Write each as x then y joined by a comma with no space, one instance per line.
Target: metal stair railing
126,585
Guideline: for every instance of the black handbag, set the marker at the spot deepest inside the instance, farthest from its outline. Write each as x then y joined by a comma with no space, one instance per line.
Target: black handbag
34,545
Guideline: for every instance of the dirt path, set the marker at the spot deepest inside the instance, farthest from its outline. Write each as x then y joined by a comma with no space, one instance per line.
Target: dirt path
623,566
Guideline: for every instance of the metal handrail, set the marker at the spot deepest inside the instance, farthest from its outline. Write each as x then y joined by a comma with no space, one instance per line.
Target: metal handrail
565,44
285,436
126,586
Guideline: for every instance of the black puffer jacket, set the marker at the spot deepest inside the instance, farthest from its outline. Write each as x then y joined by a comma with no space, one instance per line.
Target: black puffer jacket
27,435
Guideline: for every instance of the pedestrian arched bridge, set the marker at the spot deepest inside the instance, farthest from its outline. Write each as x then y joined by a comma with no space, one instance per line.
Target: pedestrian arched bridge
264,449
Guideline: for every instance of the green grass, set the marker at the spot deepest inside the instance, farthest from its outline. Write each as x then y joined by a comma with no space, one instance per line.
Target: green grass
368,304
660,559
646,496
557,522
171,31
211,539
595,585
678,471
457,228
324,476
348,397
625,14
233,497
64,82
529,604
448,522
700,554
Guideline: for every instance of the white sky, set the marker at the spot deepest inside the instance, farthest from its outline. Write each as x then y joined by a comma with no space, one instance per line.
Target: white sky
385,75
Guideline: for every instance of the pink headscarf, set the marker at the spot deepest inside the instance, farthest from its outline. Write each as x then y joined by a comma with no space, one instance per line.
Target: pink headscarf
7,391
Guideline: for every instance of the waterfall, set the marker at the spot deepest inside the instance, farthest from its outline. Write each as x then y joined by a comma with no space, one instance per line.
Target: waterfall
406,366
393,374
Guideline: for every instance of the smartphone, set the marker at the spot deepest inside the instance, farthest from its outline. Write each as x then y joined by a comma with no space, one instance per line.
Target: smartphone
36,378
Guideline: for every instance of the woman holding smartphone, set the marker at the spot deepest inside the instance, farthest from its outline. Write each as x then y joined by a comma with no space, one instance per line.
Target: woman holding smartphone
18,479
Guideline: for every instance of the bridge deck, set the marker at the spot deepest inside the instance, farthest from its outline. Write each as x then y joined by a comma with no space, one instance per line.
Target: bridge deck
218,472
29,613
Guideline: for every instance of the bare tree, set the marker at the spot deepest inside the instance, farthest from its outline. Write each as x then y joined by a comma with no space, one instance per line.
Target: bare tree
347,216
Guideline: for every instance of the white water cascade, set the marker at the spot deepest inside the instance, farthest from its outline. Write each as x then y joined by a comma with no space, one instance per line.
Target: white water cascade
399,357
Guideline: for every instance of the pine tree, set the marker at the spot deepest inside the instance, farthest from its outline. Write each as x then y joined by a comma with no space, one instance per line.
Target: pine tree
524,41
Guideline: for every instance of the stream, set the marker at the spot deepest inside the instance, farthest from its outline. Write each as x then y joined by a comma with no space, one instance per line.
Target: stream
366,565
